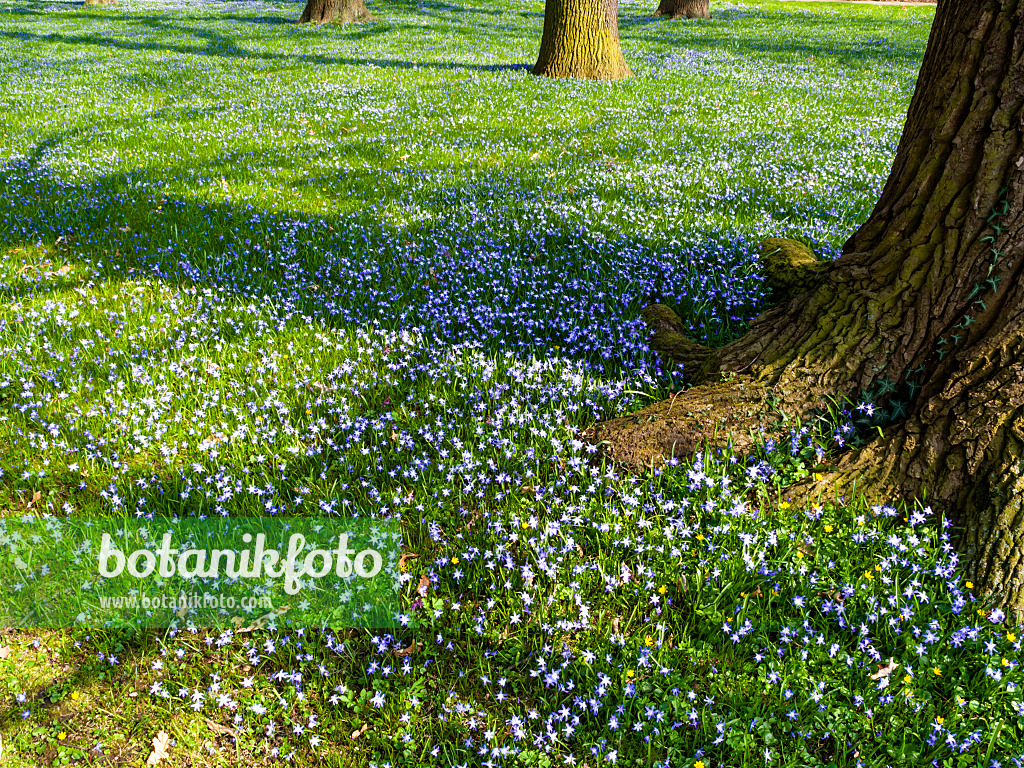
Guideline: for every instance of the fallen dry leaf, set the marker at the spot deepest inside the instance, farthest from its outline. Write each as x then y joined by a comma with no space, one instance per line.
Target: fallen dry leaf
403,558
218,728
884,670
5,651
161,741
424,585
359,732
413,647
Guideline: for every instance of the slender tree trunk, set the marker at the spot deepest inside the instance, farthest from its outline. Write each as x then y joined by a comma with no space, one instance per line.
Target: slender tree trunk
690,9
342,11
581,39
924,309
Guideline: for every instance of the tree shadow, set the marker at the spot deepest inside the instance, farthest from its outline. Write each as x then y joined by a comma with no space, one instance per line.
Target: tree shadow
699,34
222,46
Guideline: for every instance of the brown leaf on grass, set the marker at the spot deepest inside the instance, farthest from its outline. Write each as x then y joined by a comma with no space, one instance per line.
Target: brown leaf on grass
218,728
884,670
360,731
413,647
161,741
403,558
260,623
5,651
424,585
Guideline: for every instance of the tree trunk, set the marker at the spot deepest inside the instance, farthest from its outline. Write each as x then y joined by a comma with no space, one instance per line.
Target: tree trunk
581,39
924,310
690,9
342,11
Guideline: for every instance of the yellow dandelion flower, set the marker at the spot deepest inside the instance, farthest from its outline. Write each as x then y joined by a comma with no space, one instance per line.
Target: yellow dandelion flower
969,584
62,735
455,561
629,674
662,589
936,670
828,528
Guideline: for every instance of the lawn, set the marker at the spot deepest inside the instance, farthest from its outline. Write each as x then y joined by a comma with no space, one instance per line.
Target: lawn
252,268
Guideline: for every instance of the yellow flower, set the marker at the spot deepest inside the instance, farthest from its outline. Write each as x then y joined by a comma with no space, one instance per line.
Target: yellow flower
960,700
662,589
981,612
828,528
969,584
784,505
699,764
629,674
939,720
1005,662
818,476
525,525
700,537
936,670
455,561
799,555
907,692
1011,637
868,575
648,641
75,695
878,567
62,735
906,679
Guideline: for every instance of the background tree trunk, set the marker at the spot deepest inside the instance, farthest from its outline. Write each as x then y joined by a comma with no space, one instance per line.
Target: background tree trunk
690,9
342,11
581,39
924,310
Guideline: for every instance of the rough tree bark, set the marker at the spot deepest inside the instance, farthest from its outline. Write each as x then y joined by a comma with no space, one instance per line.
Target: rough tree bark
581,39
341,11
690,9
926,301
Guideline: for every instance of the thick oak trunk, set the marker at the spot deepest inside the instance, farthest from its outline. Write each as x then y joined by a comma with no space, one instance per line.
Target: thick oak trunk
341,11
581,39
924,310
689,9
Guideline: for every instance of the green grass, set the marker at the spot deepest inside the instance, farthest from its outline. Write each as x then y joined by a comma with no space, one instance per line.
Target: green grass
250,267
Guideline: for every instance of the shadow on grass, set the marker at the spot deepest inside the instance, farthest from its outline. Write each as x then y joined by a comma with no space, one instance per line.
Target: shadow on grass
222,46
700,34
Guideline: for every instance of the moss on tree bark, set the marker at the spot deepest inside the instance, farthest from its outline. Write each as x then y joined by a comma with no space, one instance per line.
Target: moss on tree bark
338,11
581,40
688,9
927,295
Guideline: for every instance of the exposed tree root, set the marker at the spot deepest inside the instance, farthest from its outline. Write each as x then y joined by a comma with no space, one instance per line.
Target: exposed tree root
725,413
